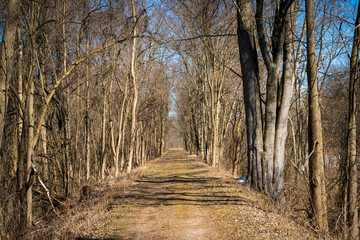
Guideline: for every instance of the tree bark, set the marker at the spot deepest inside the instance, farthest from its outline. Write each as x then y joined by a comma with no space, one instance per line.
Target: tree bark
30,112
285,94
123,128
277,100
351,161
249,69
122,122
103,131
216,133
20,98
7,58
87,120
135,85
316,158
30,121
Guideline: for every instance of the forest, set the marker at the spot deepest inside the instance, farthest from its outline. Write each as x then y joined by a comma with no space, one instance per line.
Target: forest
264,89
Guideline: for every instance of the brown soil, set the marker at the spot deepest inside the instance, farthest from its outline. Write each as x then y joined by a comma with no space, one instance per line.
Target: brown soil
182,198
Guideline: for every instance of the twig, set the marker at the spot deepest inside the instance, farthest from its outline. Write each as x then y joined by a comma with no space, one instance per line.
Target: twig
310,154
47,193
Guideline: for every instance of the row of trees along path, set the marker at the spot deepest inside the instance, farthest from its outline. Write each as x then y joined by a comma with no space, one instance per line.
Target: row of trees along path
180,197
91,90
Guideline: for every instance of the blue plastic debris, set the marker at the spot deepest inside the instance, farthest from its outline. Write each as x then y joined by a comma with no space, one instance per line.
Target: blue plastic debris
244,179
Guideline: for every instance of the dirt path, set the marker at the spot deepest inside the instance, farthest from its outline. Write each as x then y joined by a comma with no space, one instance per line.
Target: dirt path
181,198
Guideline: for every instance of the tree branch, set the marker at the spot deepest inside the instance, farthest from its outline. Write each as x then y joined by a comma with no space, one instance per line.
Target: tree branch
57,83
261,33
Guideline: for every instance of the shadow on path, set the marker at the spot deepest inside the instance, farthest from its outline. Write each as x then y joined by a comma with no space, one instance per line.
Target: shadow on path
182,198
180,181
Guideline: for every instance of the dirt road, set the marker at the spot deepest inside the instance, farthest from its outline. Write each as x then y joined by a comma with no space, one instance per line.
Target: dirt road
182,198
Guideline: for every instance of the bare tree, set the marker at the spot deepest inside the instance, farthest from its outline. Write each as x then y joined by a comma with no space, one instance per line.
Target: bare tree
316,154
350,195
136,90
7,57
249,69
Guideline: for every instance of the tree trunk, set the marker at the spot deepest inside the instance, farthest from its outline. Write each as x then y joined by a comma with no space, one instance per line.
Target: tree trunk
65,111
351,161
29,154
277,98
297,138
30,121
20,96
7,58
123,128
87,121
216,134
249,69
195,131
103,132
45,161
205,148
135,85
67,131
3,96
77,155
316,157
122,123
284,102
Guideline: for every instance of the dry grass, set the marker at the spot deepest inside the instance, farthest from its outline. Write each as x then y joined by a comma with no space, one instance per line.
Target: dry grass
78,217
296,203
177,198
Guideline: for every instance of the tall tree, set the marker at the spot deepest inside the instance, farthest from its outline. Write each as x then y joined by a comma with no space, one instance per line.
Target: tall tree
278,88
316,150
7,58
351,205
13,9
278,91
136,90
250,76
